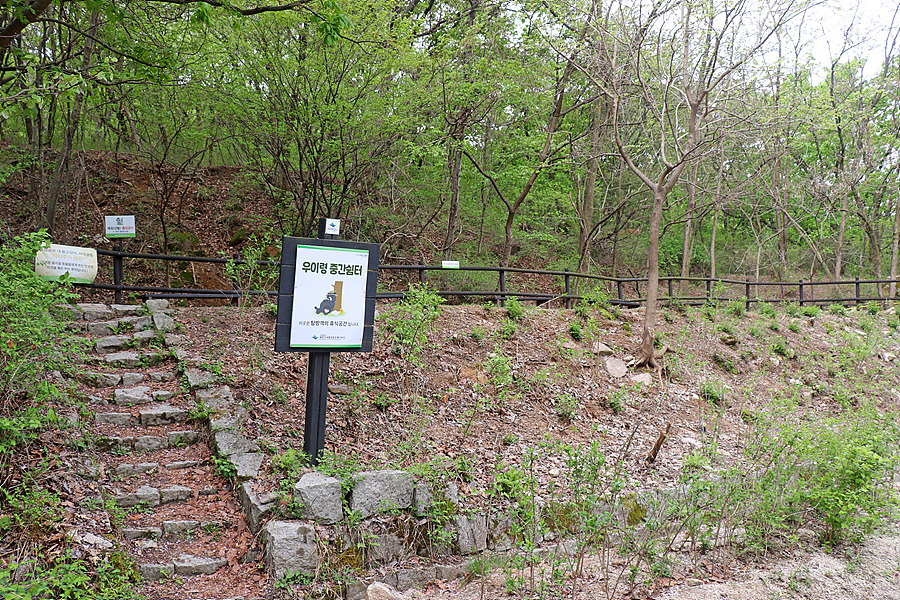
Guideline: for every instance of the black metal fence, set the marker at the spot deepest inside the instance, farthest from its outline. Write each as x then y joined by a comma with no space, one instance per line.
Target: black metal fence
622,291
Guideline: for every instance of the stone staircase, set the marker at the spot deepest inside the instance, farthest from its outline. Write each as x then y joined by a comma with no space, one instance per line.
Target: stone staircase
149,448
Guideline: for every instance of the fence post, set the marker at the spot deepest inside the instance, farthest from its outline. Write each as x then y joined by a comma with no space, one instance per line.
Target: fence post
421,273
619,288
801,292
670,288
117,271
568,290
502,287
857,291
235,284
708,287
747,296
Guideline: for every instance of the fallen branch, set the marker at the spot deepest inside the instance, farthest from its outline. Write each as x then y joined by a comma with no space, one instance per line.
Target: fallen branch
659,442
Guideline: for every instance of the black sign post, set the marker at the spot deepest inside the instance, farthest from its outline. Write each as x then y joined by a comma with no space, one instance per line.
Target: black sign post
346,274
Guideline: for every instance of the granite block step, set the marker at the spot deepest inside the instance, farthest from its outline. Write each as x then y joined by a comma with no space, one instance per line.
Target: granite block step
183,564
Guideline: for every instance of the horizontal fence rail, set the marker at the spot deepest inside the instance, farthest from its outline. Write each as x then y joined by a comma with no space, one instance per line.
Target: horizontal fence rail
568,281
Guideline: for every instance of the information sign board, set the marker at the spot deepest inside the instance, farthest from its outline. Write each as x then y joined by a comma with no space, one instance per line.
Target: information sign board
326,296
121,226
53,261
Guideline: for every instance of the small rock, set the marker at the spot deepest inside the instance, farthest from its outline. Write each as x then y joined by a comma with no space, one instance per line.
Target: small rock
163,414
145,495
186,564
290,547
340,389
198,378
102,327
149,443
162,321
156,304
126,359
132,396
113,418
176,493
156,571
161,377
162,395
125,310
382,591
112,344
601,349
643,378
320,496
176,527
129,379
246,464
95,312
616,367
182,438
226,443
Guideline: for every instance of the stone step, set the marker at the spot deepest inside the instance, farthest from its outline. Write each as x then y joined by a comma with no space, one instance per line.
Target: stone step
170,529
140,394
155,416
147,443
183,564
148,496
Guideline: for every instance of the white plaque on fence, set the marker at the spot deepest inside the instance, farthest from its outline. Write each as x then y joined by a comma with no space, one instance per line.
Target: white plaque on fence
449,264
53,261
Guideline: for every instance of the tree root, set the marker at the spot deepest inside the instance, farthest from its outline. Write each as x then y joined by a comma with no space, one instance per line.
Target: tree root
653,361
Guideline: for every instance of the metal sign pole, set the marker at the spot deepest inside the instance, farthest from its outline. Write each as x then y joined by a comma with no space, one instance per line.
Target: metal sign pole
317,390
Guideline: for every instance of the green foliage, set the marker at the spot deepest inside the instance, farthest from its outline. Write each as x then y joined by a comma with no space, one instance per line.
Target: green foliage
575,331
409,321
736,307
566,406
780,347
837,309
893,322
224,467
384,401
794,326
33,341
810,310
290,462
767,309
713,392
70,578
515,310
508,329
873,307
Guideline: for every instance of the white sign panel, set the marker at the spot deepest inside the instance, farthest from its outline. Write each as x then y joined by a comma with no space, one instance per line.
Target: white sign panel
329,297
56,260
449,264
333,226
120,226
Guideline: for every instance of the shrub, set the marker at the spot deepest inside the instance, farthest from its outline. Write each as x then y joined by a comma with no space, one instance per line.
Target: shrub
515,310
33,340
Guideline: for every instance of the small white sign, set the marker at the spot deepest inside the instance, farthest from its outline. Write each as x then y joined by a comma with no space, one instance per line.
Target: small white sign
333,226
329,308
120,226
55,260
449,264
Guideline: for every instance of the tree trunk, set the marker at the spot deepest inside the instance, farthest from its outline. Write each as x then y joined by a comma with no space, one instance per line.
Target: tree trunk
895,242
452,219
688,230
839,251
65,153
586,206
647,335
